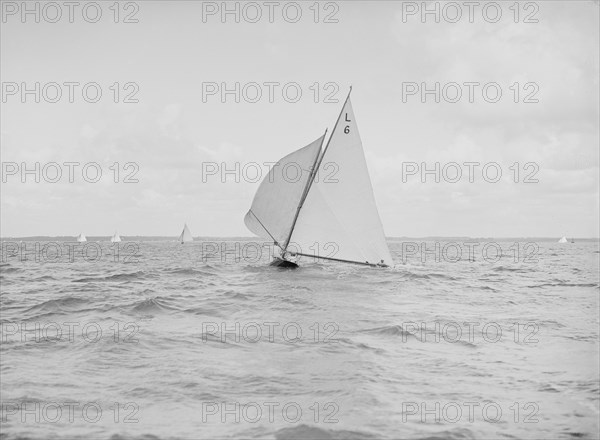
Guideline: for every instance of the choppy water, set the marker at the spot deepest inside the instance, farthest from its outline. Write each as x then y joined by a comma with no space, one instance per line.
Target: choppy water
135,349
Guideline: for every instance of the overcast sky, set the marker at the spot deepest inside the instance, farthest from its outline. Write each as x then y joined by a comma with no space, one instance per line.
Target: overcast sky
170,133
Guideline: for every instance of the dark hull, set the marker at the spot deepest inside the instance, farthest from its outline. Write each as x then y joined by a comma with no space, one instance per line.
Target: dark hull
279,262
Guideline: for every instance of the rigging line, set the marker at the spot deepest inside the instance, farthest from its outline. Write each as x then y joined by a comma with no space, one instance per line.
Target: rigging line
340,260
313,171
263,226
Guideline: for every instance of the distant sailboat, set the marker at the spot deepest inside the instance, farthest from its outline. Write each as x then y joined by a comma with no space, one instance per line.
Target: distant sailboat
332,217
572,240
563,240
115,238
81,238
186,235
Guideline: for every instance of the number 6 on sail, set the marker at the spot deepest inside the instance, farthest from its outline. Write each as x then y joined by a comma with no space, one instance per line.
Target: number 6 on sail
309,214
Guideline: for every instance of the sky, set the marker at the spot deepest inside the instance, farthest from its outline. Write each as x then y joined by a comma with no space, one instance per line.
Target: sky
177,142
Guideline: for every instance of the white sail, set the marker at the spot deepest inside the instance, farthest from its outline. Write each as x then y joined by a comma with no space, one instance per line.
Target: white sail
563,240
81,238
186,235
115,238
339,218
276,201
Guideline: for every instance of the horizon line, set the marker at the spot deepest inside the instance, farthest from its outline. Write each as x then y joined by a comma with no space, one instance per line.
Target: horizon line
3,238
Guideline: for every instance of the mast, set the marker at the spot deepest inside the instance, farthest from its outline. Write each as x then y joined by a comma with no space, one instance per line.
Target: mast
314,172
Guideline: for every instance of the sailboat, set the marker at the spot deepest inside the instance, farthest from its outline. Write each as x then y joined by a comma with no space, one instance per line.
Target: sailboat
319,215
81,238
186,235
115,238
563,240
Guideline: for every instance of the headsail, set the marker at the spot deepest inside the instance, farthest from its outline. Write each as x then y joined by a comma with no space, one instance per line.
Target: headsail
563,240
339,218
81,238
186,235
276,201
115,238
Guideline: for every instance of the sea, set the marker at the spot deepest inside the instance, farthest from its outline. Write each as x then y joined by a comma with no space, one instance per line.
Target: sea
461,338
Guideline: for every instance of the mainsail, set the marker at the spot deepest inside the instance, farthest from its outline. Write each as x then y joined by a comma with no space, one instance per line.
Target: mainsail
563,240
333,214
186,235
81,238
115,238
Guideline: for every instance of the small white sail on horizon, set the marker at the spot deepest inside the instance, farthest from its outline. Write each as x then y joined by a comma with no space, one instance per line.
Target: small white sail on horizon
186,235
81,238
563,240
334,217
115,238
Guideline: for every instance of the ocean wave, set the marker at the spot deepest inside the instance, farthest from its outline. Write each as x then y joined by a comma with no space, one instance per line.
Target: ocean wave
511,269
115,277
564,284
306,432
189,271
389,330
453,434
6,268
427,276
65,304
152,305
